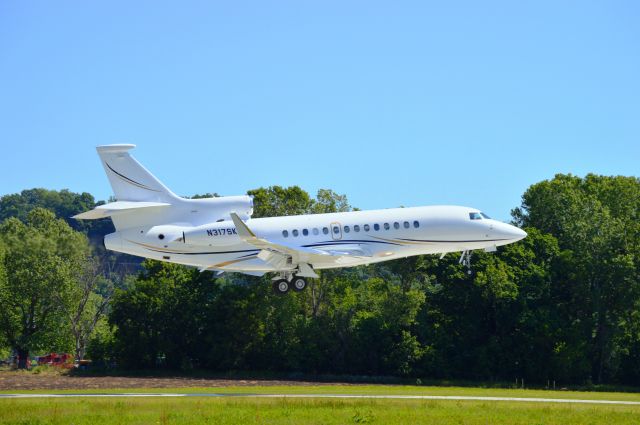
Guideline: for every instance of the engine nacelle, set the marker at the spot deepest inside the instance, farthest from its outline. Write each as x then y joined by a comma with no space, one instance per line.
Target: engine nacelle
132,241
186,218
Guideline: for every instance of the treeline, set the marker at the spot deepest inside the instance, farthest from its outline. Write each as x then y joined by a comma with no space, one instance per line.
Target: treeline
560,305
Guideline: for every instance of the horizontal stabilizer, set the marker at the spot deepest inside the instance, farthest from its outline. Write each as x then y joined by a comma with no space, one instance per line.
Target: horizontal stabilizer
119,207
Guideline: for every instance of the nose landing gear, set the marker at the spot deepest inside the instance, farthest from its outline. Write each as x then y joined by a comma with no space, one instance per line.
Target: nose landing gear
465,260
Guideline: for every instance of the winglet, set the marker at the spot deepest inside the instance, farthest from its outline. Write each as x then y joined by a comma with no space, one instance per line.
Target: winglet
243,230
129,180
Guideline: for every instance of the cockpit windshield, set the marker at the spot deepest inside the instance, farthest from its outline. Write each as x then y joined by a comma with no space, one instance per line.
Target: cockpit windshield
478,216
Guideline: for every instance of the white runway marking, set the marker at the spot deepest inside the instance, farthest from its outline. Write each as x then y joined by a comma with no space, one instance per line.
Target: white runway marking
345,396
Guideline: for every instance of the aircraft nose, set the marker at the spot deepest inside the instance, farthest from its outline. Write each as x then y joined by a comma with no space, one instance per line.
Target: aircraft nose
509,232
518,233
513,233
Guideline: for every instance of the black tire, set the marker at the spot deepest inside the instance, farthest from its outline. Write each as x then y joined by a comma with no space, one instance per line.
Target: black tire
298,284
281,286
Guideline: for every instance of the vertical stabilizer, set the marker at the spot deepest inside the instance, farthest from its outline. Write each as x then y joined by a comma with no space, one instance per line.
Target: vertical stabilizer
129,180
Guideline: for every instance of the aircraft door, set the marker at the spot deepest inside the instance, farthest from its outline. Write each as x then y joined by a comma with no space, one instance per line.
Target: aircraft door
336,231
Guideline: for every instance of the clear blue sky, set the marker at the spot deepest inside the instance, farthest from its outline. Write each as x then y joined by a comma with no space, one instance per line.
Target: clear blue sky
392,103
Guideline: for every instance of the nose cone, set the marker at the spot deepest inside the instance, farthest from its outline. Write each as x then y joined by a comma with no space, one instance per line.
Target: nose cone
508,232
518,233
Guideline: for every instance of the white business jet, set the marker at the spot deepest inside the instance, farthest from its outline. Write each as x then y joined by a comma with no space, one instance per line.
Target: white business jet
218,234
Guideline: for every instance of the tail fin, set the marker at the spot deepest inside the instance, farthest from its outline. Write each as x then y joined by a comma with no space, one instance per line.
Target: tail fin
129,180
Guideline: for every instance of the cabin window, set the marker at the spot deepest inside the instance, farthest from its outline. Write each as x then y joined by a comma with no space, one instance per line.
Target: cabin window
356,228
285,233
346,229
475,216
315,231
366,228
325,230
305,232
336,230
416,224
396,225
386,226
406,224
295,232
376,227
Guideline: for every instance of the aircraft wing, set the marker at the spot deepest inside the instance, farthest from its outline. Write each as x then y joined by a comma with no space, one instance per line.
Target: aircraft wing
354,250
249,237
274,252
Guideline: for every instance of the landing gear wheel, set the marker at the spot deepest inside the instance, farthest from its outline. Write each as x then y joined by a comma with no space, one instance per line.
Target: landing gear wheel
298,283
281,287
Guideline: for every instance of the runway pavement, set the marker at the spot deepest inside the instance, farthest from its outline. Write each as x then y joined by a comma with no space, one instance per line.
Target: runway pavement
341,396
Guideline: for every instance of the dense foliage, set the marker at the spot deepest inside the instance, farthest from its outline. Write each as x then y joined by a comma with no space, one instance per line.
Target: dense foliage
560,305
64,204
39,260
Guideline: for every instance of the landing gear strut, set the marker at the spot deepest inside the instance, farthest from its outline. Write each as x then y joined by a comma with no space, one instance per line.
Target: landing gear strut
465,260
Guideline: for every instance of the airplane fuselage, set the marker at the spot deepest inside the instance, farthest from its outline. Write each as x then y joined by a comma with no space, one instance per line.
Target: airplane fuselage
363,237
219,234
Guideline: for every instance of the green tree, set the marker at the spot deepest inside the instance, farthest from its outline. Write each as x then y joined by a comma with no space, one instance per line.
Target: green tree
90,299
204,195
595,220
160,317
364,326
327,201
4,343
495,324
561,304
278,201
40,261
250,328
101,345
64,204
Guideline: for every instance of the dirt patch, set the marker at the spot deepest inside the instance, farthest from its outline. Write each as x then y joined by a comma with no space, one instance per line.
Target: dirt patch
12,380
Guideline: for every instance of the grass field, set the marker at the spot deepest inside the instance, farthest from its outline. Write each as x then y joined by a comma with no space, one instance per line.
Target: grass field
307,411
196,410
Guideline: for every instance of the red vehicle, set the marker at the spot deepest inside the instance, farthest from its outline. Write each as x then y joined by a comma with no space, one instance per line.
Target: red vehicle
55,359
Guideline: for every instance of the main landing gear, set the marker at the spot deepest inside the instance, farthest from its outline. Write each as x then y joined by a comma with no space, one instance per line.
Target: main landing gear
283,283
